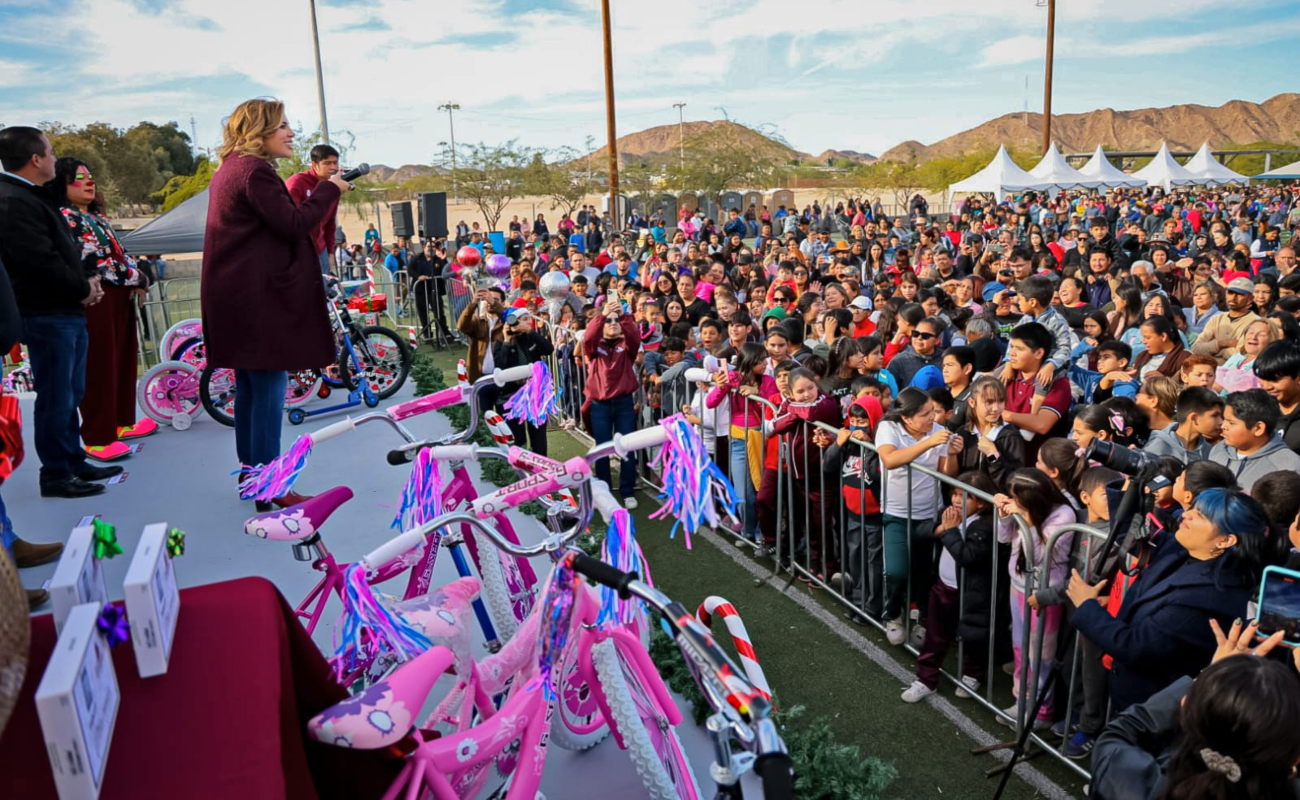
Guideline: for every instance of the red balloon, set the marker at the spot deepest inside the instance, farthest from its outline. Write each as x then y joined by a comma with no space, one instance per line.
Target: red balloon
468,256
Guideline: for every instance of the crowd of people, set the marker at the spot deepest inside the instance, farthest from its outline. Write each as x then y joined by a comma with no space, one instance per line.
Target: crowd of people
1011,346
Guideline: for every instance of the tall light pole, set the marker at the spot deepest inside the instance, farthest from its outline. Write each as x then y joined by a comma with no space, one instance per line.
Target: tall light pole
1047,81
451,109
609,114
320,78
681,133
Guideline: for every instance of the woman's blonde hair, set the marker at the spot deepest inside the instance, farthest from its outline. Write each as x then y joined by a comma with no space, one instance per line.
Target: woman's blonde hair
249,126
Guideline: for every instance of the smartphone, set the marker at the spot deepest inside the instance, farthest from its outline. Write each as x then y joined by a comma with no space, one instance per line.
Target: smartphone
1279,604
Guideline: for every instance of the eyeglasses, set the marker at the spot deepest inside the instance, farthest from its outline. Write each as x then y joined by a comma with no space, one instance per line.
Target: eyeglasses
83,177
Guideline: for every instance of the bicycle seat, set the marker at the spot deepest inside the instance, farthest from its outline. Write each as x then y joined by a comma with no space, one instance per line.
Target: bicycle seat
383,714
296,523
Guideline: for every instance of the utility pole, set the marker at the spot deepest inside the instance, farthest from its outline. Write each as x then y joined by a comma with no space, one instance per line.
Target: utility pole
609,115
1047,82
194,136
451,109
681,133
320,78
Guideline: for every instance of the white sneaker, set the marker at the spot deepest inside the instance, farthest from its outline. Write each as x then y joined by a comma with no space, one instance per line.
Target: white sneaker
630,504
916,692
894,631
1014,711
969,688
918,635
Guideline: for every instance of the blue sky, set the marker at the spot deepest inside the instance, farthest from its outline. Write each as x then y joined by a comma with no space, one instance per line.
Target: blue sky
850,74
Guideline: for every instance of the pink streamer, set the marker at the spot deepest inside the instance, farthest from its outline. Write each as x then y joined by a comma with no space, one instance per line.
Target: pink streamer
536,400
266,482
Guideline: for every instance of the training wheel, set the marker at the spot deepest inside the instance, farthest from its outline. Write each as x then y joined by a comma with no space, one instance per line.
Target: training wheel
323,392
181,421
370,398
296,416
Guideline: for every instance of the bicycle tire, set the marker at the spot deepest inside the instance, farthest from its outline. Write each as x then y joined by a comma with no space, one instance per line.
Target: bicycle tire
220,404
182,352
303,386
492,589
157,392
562,730
395,369
628,700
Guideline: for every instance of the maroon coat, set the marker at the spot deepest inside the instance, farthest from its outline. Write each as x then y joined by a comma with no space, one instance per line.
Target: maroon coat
262,294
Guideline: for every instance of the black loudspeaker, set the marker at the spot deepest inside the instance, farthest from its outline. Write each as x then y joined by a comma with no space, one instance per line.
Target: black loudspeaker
403,224
433,214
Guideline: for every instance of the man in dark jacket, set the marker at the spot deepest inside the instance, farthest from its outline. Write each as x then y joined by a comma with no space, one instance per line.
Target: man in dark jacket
520,345
922,351
611,342
52,290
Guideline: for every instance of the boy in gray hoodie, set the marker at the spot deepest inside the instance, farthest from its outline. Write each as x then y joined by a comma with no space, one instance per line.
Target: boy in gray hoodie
1197,419
1250,448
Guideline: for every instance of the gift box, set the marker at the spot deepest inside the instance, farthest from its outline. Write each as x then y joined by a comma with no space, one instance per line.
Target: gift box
368,303
79,577
152,601
352,289
77,702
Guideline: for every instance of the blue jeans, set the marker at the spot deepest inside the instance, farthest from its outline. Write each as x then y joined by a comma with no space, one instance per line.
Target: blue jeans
56,344
738,470
325,262
259,414
609,417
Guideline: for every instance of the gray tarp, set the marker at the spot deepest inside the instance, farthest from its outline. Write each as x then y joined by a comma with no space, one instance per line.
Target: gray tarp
178,231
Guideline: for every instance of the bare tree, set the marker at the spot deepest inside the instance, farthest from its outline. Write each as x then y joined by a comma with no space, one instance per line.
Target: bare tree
491,176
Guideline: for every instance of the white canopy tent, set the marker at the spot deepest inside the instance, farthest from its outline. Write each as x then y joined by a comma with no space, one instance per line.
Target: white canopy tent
1290,172
1209,171
1165,171
1111,177
1000,176
1053,169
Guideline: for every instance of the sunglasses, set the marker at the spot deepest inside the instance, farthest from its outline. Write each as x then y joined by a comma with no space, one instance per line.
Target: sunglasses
923,336
611,320
782,300
801,272
83,177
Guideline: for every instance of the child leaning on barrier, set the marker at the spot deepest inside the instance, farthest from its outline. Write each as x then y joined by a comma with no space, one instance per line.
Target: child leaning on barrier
855,470
959,609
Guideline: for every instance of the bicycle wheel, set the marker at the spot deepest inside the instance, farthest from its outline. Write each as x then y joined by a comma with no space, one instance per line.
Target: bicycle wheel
649,738
168,390
495,596
302,387
385,360
217,391
578,723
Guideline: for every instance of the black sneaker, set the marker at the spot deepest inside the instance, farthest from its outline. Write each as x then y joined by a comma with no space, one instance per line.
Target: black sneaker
93,473
72,487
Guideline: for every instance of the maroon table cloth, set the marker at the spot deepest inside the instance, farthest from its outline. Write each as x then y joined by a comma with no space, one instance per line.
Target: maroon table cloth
226,721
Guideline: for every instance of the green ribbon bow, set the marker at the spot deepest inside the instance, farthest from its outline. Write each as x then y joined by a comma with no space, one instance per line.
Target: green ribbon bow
175,542
106,545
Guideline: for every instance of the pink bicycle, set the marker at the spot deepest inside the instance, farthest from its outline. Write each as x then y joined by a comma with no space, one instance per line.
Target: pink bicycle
576,638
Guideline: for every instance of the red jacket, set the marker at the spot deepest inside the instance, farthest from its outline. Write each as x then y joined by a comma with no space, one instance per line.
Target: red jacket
611,371
262,295
794,422
301,187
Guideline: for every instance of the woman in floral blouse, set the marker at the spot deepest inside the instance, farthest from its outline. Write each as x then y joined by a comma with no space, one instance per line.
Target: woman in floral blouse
108,411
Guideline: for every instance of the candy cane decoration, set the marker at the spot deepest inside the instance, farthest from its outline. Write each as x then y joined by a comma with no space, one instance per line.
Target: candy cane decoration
500,431
412,338
370,276
739,637
462,373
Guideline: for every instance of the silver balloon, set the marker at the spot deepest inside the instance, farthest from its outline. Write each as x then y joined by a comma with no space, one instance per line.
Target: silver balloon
553,286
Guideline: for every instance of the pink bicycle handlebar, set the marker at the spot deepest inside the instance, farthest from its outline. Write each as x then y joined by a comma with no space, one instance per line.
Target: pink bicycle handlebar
576,471
532,462
450,396
512,374
644,439
332,430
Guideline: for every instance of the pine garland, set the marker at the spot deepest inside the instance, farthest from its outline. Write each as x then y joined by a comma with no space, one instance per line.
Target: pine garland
824,768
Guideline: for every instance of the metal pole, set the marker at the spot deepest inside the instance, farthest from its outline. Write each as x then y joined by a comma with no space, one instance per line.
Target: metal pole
320,78
681,133
451,109
609,114
1047,82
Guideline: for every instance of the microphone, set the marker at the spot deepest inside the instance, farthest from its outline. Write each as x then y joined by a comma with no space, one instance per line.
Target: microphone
356,172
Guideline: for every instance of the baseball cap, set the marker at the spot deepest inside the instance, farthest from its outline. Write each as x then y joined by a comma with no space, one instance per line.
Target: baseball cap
862,303
1241,286
927,378
993,287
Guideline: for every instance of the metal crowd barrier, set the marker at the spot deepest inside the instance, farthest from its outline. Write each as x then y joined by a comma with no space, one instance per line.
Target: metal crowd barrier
795,523
166,303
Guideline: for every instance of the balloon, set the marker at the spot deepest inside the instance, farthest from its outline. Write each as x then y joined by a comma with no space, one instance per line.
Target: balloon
498,265
553,286
468,256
